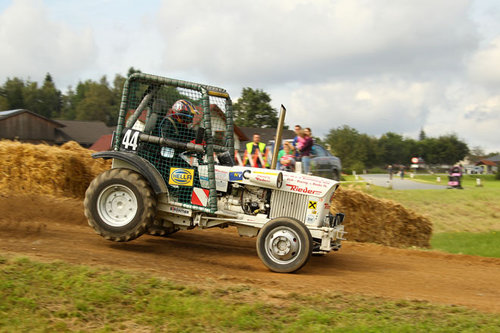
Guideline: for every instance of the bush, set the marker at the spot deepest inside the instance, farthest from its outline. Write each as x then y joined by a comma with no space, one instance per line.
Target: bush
497,176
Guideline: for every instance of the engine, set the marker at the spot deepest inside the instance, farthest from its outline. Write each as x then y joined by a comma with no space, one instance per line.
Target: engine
246,199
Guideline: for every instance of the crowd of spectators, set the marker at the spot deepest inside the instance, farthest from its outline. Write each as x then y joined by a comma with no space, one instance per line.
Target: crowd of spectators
293,156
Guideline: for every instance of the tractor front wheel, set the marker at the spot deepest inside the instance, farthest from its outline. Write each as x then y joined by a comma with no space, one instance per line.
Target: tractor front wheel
120,205
284,245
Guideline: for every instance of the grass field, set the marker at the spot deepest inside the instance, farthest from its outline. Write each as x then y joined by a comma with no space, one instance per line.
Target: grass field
484,244
59,297
467,218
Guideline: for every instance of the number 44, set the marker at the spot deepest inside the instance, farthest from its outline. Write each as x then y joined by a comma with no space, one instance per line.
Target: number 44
130,139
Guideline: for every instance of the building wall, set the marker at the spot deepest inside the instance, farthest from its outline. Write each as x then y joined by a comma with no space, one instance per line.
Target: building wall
26,127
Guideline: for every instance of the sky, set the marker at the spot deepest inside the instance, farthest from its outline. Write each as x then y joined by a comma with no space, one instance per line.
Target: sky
377,66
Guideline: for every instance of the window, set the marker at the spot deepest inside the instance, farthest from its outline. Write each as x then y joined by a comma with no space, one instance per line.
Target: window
319,151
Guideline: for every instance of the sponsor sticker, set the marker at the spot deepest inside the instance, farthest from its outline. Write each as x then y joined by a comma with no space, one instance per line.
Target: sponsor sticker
181,177
235,176
179,210
312,204
310,218
305,190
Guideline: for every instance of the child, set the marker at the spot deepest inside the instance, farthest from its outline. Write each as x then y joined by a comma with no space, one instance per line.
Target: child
286,157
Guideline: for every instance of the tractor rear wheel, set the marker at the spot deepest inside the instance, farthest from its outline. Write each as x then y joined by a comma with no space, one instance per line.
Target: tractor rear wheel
120,205
284,245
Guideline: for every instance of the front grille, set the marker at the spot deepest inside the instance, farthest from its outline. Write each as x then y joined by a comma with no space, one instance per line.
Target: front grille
288,204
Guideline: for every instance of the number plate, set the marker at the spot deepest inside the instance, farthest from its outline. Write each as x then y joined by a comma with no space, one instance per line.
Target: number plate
130,140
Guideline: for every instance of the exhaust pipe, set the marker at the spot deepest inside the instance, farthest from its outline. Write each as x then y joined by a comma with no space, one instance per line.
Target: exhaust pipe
277,139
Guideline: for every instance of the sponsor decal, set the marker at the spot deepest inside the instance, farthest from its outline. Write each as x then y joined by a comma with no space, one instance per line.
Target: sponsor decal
263,179
235,176
221,185
200,196
179,210
310,218
305,190
181,177
312,204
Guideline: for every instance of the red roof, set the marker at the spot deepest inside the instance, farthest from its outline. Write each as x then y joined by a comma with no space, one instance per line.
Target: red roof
103,143
486,162
142,117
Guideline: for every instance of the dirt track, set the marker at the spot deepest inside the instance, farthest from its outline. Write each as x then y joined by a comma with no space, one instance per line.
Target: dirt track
49,230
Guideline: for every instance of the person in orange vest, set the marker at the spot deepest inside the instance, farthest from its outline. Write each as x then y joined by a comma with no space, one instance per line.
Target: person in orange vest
256,153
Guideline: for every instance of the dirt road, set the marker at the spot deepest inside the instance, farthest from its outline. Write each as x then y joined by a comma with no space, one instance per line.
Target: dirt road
57,230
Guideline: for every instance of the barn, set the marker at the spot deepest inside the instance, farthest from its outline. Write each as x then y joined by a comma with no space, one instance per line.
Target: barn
27,126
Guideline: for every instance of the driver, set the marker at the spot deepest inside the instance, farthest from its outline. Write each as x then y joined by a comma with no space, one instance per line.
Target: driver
179,125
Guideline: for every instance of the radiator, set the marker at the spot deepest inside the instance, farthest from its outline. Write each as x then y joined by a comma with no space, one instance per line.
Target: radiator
289,204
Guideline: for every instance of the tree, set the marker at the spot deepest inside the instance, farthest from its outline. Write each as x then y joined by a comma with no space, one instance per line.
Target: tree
355,150
51,99
394,149
95,101
475,154
447,149
253,109
13,93
422,135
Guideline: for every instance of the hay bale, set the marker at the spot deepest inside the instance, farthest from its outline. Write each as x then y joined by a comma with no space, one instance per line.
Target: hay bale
42,169
373,220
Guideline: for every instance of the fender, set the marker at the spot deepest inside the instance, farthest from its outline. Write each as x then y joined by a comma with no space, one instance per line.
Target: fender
137,163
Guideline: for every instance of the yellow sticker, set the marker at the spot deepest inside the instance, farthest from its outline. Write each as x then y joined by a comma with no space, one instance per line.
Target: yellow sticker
181,177
312,204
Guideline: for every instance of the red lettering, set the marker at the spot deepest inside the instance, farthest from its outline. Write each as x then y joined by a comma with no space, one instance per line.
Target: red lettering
305,190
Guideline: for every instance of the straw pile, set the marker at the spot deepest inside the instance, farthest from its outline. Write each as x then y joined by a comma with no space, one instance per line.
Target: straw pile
373,220
64,171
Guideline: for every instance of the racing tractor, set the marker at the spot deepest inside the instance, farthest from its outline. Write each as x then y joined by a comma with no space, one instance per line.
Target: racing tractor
173,154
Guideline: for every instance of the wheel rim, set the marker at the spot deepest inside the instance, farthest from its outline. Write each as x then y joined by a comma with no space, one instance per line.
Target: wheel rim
117,205
282,245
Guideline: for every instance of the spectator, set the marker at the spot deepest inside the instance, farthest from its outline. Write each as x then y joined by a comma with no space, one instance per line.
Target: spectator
304,144
256,153
297,130
286,157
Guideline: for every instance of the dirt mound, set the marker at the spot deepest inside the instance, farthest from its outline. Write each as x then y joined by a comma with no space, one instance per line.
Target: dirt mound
64,171
373,220
31,213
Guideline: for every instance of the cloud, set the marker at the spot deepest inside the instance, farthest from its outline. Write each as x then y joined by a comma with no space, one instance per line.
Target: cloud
33,44
484,66
310,41
378,66
372,106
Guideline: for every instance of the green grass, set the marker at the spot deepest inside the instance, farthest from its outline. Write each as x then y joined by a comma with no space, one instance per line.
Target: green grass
473,209
468,217
49,297
484,244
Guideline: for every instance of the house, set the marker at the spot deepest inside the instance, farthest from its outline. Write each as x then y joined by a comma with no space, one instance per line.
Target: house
103,143
27,126
83,132
488,165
